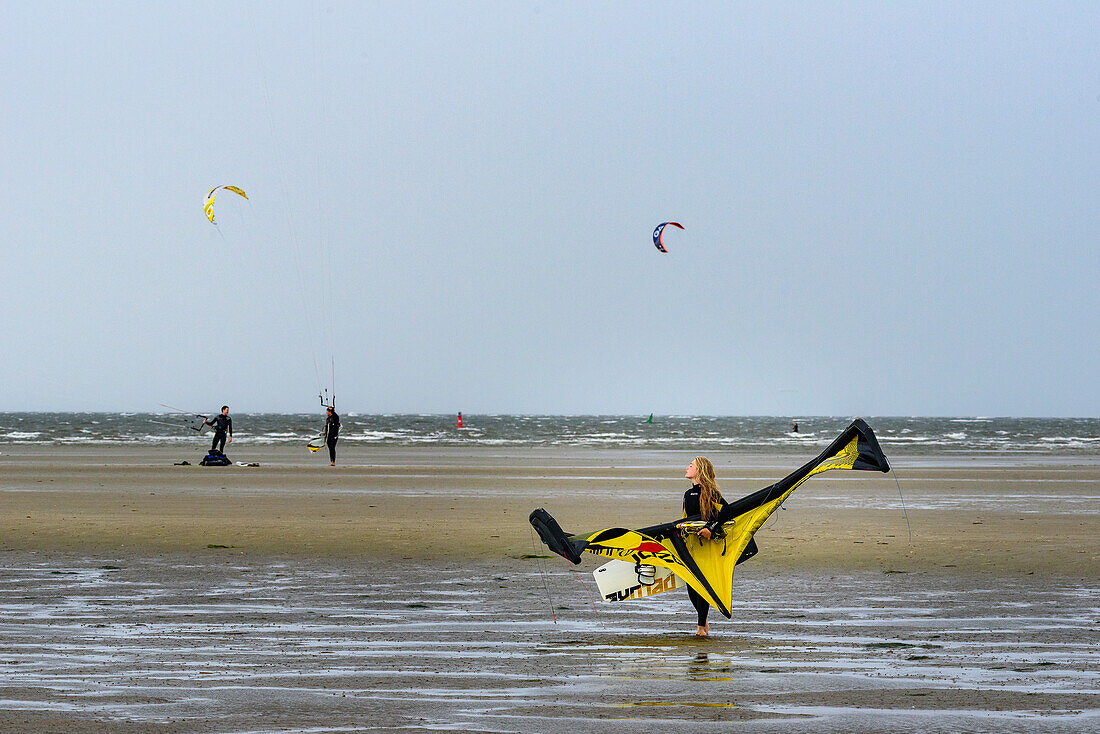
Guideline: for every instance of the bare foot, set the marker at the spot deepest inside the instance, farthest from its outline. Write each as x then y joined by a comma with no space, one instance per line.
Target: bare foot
332,463
702,631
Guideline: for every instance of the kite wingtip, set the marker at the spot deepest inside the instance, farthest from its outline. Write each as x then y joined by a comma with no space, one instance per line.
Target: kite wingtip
556,539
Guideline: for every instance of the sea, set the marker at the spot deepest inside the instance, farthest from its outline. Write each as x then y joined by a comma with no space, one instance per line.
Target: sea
752,434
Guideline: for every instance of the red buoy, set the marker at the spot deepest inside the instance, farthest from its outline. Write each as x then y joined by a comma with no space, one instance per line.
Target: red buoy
459,421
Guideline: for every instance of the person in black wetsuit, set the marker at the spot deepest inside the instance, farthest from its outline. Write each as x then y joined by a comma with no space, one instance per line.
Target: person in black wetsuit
705,501
223,426
332,433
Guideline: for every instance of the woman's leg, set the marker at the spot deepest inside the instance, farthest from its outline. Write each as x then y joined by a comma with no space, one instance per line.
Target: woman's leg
701,609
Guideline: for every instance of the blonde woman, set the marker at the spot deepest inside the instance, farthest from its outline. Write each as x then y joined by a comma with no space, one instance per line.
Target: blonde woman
705,501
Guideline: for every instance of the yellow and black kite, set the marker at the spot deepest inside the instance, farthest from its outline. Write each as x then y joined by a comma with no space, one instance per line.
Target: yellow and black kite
707,565
208,204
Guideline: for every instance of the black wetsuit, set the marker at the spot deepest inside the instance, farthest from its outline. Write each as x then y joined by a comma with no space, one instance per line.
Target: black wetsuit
332,434
222,424
691,507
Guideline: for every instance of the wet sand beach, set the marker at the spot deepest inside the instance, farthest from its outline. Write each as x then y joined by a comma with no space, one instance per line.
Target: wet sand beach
398,592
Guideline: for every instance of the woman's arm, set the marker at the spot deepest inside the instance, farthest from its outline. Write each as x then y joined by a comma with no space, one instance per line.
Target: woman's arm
725,514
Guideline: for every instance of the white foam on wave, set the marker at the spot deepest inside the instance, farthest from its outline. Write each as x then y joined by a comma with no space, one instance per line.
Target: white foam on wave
377,436
933,435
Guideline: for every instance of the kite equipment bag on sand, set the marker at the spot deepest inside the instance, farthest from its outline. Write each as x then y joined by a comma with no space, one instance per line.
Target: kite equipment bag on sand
215,458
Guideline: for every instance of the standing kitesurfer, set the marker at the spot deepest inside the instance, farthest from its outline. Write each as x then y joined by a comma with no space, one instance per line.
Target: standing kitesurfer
223,426
704,500
332,432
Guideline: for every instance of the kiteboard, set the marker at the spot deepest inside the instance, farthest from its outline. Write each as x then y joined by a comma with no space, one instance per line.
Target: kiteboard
621,580
320,442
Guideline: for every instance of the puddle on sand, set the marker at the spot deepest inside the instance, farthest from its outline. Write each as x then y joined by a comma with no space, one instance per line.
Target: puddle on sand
291,645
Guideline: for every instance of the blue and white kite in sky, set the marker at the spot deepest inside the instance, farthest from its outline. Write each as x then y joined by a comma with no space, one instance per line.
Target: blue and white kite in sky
659,232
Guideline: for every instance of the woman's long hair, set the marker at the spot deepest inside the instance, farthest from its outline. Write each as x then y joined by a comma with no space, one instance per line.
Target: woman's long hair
708,487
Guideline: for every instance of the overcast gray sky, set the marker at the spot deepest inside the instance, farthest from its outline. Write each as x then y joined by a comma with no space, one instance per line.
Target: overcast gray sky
889,208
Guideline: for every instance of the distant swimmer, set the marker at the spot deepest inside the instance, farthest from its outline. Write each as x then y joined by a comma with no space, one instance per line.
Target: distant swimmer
223,426
794,426
332,433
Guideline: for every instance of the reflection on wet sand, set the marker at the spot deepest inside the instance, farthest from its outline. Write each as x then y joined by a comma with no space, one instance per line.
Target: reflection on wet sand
137,644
